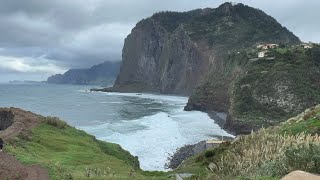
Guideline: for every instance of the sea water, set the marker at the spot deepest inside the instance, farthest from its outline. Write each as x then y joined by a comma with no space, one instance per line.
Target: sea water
149,126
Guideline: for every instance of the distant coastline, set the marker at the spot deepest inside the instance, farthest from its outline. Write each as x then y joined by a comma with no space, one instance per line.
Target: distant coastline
25,82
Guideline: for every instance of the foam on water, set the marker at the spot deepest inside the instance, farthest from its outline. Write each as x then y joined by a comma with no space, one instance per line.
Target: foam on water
160,98
111,102
154,138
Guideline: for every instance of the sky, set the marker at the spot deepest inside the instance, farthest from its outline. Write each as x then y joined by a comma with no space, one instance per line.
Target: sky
39,38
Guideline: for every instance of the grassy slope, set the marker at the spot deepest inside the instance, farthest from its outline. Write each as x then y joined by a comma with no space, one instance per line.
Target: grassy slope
68,152
267,154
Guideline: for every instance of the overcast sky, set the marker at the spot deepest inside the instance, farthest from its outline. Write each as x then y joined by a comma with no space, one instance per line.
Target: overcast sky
39,38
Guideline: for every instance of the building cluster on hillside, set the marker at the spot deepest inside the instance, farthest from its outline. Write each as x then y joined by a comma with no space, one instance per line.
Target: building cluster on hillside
265,47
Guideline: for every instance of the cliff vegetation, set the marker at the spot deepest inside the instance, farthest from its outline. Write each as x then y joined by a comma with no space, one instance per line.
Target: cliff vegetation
260,92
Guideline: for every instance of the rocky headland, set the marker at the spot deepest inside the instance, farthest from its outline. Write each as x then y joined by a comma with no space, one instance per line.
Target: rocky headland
212,55
103,74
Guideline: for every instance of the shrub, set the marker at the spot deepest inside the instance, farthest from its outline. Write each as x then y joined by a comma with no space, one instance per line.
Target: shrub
304,157
212,154
56,122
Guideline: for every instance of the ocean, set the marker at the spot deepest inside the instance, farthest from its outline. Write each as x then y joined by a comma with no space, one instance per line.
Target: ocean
149,126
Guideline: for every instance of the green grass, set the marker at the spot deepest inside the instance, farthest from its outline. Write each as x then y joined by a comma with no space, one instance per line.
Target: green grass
68,152
309,123
311,126
283,50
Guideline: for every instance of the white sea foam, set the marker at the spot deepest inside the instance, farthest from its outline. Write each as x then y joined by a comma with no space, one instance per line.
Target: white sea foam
111,102
153,138
160,98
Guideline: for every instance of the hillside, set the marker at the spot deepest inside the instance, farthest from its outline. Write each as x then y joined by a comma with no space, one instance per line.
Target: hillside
261,92
267,154
38,147
171,52
101,74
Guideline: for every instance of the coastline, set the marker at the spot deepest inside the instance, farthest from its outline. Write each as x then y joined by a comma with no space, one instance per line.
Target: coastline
181,154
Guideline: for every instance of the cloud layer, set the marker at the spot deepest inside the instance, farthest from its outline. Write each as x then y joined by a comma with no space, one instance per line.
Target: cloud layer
39,38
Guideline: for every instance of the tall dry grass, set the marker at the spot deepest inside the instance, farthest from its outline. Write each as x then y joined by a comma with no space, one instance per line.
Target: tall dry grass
250,152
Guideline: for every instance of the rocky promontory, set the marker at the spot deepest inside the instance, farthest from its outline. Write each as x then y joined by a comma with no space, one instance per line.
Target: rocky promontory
102,74
214,55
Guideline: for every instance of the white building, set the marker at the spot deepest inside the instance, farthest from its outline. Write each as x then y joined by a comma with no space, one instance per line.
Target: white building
307,46
261,54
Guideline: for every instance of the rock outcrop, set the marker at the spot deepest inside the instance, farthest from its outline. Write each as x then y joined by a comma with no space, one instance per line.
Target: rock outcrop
301,175
6,119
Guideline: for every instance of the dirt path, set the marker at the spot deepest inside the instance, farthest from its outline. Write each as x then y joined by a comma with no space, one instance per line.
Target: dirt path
10,167
37,172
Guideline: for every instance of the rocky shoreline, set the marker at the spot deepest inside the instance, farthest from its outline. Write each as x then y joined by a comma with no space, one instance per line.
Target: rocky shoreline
183,153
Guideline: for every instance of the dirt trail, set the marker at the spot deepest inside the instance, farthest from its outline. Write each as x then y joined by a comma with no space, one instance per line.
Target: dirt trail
37,172
10,167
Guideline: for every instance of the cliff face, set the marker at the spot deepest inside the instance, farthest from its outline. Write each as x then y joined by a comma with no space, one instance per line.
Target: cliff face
159,61
101,74
171,52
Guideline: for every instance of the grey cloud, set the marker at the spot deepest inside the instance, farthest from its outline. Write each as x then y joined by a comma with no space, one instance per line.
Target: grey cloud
79,33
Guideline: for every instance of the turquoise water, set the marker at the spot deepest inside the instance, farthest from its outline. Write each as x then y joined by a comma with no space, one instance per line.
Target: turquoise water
149,126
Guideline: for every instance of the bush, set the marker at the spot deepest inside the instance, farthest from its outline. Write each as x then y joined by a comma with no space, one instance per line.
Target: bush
56,122
212,154
305,157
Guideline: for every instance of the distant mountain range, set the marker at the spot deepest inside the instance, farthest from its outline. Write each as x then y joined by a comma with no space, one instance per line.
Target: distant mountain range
102,74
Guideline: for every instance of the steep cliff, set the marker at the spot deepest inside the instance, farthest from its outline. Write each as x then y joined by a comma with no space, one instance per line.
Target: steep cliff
101,74
171,52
